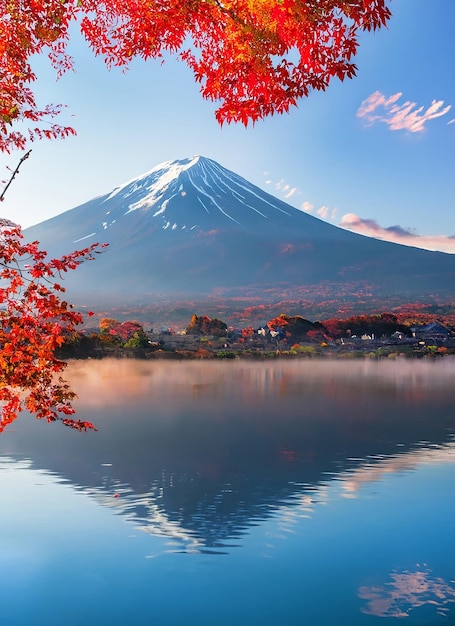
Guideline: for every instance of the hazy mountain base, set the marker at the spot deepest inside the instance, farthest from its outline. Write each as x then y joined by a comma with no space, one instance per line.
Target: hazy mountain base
250,308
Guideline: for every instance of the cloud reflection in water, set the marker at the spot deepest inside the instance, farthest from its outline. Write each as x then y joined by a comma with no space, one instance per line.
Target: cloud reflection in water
406,591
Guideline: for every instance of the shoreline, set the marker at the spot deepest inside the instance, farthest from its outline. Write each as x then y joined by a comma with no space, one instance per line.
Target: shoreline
305,351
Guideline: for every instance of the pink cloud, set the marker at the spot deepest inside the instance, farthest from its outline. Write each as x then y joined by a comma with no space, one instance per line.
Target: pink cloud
378,108
307,207
323,212
408,590
397,234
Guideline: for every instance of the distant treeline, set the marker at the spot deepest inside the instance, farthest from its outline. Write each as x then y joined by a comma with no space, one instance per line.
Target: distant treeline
206,336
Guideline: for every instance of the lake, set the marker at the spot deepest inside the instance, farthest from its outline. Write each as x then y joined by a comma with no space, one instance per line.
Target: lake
300,492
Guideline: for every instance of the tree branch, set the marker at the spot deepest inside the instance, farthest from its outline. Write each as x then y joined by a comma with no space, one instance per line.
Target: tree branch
14,174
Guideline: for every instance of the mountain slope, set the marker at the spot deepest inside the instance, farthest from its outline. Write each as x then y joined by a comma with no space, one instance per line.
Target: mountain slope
191,227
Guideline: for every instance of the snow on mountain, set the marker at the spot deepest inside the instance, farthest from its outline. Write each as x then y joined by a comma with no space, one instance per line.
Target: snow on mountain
192,226
188,194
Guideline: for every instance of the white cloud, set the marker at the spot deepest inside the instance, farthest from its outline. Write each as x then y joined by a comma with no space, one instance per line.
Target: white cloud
323,212
397,234
307,207
291,192
284,188
287,192
378,108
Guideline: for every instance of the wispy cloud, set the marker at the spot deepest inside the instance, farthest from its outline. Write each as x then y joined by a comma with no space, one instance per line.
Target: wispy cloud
284,188
291,192
287,192
326,213
397,234
307,207
378,108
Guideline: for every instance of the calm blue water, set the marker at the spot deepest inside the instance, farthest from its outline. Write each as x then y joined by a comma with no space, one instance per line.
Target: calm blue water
297,493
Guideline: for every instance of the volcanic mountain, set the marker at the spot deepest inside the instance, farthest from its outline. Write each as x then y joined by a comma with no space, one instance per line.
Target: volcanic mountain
192,228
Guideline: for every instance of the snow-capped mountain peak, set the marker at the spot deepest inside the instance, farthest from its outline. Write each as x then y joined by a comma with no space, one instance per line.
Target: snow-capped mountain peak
191,225
169,189
156,180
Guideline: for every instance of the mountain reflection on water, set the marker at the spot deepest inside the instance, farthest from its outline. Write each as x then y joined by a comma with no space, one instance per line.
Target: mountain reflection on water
201,451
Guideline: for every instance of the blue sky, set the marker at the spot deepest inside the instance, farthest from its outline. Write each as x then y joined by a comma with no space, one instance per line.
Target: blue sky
374,154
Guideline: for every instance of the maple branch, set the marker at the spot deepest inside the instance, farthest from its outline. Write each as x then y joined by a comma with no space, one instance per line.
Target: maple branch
14,174
229,12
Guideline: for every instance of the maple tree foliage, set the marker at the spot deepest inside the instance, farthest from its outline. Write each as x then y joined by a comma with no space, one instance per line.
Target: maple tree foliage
34,320
255,57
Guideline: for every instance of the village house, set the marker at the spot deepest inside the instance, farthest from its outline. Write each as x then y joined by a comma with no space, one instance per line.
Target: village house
433,333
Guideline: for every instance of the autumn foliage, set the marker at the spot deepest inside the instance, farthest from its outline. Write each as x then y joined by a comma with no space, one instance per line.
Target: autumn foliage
204,325
130,333
255,57
34,320
294,327
383,324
